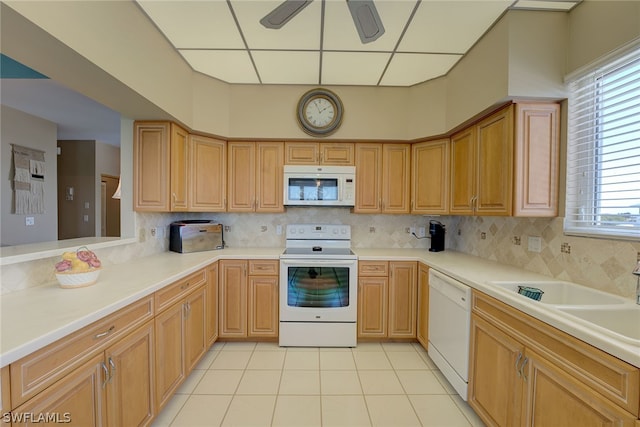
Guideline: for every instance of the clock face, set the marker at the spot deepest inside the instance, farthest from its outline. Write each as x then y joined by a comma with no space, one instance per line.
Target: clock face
319,112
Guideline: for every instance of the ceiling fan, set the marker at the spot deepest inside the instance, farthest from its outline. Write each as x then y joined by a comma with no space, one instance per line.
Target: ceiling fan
364,13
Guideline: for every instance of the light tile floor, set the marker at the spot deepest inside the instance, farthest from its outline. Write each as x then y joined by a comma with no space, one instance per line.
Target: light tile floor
261,384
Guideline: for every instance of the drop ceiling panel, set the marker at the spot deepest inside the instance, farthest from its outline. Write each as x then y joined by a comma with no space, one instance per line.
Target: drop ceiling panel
353,68
341,34
301,32
195,24
287,67
450,26
233,66
407,69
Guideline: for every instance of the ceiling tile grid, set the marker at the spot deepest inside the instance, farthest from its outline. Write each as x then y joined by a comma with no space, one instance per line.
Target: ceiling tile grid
422,39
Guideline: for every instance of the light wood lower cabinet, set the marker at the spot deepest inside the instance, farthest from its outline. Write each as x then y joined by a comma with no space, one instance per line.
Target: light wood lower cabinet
180,335
422,327
113,388
211,306
524,372
387,299
5,396
248,298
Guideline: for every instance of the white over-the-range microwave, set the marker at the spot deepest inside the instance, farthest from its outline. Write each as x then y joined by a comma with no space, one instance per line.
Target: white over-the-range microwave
317,185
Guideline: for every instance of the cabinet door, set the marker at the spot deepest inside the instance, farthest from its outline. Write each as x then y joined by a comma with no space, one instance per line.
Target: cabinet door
269,186
208,160
263,306
462,178
372,307
211,304
554,398
5,395
430,177
242,178
130,392
301,153
396,170
494,186
78,399
423,305
179,167
151,167
194,328
495,389
403,299
368,178
233,298
332,153
537,151
170,366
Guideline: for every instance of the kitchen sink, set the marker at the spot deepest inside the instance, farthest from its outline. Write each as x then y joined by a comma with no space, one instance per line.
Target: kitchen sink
564,293
621,322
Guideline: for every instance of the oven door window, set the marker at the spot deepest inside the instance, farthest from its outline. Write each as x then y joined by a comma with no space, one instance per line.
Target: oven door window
304,189
326,287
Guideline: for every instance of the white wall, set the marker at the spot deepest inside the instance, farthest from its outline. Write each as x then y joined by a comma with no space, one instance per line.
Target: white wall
33,132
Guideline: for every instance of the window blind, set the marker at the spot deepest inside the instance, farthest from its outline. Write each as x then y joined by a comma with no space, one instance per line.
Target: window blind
603,150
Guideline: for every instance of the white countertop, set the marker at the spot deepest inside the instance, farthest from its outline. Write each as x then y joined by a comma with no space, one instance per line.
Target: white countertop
36,317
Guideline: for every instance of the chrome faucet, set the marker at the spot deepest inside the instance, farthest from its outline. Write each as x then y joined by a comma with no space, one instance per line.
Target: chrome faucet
636,271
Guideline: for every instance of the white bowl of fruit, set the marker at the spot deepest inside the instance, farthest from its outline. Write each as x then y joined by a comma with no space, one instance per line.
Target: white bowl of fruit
78,269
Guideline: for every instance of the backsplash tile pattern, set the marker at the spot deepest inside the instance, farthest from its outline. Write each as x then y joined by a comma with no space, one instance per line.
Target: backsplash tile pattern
598,263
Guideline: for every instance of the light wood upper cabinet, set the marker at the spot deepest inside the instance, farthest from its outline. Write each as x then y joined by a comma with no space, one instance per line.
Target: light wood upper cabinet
430,177
319,153
368,178
255,176
179,166
151,160
537,152
525,372
208,160
507,164
383,178
463,167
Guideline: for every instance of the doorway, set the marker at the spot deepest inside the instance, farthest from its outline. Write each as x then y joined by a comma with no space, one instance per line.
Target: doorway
110,211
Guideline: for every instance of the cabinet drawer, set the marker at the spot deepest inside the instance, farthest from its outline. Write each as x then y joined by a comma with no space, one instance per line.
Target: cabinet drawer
263,267
175,291
609,376
33,373
373,268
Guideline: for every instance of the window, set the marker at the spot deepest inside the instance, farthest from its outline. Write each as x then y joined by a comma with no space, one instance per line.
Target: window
603,152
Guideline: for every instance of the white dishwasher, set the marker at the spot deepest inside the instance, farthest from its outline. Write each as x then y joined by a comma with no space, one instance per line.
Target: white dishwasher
449,322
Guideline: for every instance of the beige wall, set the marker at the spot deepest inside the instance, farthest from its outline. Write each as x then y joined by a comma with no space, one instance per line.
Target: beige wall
33,132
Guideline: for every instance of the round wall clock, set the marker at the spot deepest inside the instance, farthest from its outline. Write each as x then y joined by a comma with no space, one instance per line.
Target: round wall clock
320,112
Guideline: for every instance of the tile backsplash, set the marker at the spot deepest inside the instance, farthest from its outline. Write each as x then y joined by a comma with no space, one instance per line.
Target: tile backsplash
598,263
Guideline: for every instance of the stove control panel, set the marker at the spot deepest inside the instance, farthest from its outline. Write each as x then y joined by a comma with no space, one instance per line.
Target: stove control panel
318,232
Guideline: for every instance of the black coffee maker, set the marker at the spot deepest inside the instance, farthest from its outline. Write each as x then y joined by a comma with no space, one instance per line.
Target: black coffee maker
436,231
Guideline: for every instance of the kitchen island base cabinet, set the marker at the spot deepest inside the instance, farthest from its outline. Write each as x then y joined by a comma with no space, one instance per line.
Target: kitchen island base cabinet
524,372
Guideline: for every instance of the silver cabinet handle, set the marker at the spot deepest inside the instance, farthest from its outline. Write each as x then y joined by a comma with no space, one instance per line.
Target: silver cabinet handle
524,376
112,371
104,334
517,363
106,375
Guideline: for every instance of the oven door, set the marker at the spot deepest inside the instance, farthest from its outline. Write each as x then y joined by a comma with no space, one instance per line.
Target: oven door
318,290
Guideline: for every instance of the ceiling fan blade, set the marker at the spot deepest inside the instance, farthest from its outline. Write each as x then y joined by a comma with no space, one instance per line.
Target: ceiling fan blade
366,19
283,13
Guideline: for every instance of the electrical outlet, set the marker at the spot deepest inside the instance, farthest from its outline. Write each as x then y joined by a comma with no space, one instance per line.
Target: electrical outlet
483,236
29,221
534,244
153,232
278,230
407,230
227,228
412,230
517,240
263,228
372,229
422,232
